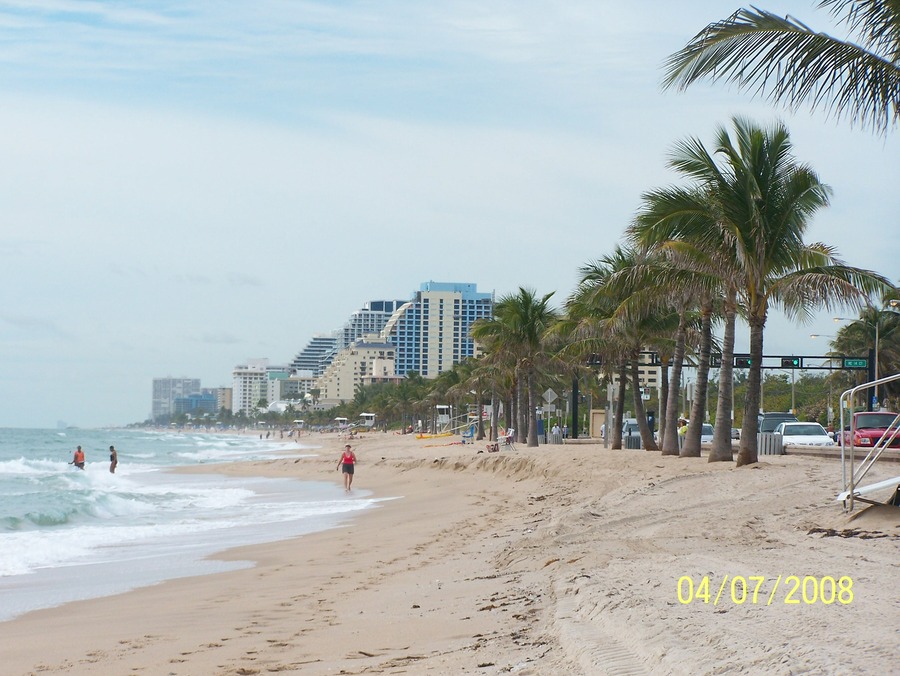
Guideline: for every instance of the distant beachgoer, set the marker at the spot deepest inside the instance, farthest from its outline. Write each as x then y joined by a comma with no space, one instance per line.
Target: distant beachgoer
78,458
113,459
347,461
565,431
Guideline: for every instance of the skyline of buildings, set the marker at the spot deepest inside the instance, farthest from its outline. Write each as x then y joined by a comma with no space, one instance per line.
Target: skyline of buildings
381,342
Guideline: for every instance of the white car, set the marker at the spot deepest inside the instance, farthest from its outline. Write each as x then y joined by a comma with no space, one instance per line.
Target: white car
706,434
803,434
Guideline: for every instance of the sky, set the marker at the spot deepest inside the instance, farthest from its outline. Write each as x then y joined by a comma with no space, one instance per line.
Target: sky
185,185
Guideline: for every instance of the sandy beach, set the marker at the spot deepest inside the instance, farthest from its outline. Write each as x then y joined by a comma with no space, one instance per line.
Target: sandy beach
567,559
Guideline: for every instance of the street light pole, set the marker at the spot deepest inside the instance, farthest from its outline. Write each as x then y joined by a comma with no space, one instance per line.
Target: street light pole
877,322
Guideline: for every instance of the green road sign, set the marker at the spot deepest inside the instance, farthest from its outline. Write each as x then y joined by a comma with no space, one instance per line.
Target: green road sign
856,363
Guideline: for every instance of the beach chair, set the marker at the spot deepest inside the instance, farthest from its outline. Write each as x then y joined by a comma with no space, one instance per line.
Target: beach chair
468,436
507,440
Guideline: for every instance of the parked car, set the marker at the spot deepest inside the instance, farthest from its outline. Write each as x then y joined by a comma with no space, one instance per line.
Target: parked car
869,428
769,421
803,434
735,432
706,434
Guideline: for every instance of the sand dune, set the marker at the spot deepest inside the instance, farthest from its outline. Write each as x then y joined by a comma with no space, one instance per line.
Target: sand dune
556,560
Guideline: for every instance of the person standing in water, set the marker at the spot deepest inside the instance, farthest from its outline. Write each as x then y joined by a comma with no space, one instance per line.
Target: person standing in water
113,459
347,462
78,458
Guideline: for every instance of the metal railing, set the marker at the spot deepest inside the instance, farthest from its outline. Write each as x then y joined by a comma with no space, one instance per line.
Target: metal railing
857,474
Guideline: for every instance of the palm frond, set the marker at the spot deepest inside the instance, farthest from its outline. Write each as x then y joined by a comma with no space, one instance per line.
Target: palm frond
784,61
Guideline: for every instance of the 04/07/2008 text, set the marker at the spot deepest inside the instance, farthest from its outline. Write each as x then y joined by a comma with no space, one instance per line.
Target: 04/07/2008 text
752,589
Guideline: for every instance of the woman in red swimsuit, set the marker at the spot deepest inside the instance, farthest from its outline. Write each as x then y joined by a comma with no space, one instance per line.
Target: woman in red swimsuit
347,461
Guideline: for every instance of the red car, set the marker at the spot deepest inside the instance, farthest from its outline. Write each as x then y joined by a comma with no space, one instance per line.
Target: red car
870,427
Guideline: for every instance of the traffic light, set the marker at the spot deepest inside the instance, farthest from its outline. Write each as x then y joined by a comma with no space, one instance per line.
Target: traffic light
791,362
742,361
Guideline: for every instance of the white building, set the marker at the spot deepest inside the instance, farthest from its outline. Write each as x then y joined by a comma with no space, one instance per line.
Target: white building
249,383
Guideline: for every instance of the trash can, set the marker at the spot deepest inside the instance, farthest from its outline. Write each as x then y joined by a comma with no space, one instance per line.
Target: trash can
769,444
633,442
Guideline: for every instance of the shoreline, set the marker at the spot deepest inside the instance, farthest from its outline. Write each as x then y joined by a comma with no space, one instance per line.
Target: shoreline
560,559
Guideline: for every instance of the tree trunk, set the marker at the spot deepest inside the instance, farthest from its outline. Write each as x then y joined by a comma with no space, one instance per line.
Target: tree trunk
512,415
532,410
616,441
521,407
479,411
691,448
639,412
747,453
663,397
722,449
670,446
495,415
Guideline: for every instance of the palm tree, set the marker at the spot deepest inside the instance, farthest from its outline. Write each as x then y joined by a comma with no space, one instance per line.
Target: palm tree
518,327
684,223
859,337
766,200
582,330
790,63
620,309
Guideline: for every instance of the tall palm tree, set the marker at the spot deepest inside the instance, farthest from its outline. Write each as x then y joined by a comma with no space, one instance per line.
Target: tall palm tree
790,63
518,327
767,200
685,223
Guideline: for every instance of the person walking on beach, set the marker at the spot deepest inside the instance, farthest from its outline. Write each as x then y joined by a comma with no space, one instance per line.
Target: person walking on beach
78,458
347,461
113,459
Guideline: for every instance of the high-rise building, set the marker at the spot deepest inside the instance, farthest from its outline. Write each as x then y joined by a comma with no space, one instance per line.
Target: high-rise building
321,350
431,332
255,381
167,390
428,334
196,405
317,354
370,319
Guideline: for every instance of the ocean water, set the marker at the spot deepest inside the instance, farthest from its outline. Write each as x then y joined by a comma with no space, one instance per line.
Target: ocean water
68,534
